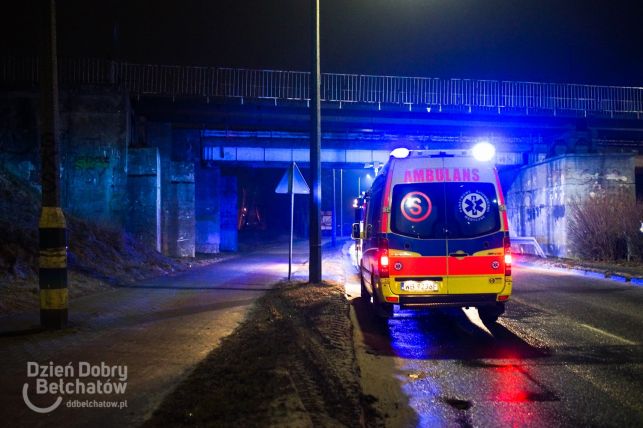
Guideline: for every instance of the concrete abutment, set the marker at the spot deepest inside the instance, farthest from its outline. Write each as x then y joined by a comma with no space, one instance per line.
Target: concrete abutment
143,218
541,195
195,197
207,209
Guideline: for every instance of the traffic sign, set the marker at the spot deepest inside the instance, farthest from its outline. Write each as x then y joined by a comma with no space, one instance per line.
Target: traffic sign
293,181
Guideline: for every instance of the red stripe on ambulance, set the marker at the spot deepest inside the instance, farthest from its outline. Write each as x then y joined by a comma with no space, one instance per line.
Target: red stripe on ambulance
476,265
418,266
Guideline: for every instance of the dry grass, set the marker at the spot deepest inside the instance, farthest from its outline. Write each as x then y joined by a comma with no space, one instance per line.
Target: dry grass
606,227
98,256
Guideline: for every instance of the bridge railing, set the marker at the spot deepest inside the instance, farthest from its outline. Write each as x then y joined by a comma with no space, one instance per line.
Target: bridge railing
422,92
76,70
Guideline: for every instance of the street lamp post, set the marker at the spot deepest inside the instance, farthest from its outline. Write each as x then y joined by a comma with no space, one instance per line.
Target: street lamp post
52,230
315,270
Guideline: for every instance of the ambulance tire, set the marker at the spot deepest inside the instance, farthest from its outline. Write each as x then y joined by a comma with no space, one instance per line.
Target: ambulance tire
490,314
383,310
365,295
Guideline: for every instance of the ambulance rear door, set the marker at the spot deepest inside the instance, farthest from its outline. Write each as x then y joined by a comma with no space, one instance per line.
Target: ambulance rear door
417,238
474,231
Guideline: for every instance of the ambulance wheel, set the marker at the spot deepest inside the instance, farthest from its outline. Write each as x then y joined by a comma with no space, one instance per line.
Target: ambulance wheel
364,290
382,309
490,314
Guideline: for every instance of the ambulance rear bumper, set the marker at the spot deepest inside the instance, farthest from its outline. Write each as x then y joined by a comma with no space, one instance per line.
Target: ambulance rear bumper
448,300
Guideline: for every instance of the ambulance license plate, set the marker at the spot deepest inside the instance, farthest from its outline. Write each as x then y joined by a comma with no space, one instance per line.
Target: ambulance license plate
425,285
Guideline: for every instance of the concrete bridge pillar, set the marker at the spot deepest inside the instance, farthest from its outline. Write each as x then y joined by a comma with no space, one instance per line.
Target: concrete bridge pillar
177,194
143,218
229,213
207,209
198,202
178,210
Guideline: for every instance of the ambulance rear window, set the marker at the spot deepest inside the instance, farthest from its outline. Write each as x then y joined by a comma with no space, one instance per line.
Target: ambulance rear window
472,209
429,210
417,210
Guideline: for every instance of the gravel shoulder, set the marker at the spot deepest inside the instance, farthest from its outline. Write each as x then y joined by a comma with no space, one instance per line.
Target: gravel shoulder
290,363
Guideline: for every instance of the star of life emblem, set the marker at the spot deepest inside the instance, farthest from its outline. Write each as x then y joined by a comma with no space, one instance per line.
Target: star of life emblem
474,205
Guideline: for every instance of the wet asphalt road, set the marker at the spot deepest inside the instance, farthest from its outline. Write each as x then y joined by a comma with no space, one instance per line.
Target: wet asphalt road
159,329
568,352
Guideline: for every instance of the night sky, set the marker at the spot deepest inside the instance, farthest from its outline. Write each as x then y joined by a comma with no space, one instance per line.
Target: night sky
547,40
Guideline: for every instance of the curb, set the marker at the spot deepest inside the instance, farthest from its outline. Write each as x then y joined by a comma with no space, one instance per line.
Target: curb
617,277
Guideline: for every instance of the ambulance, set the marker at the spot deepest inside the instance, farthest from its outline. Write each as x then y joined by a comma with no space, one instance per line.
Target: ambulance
434,233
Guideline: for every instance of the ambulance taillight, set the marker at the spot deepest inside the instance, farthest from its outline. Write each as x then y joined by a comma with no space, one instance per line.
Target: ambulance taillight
383,261
506,243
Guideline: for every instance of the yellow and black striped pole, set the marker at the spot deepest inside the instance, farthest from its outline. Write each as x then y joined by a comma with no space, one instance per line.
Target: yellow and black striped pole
53,268
52,231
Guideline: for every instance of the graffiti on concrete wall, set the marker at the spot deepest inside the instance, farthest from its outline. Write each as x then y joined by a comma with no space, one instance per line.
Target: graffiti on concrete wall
91,162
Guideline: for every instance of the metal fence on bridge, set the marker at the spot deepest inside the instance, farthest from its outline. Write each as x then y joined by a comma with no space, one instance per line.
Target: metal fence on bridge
419,92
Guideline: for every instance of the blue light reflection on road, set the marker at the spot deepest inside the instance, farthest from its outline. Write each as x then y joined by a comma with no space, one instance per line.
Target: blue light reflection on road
491,367
409,339
412,341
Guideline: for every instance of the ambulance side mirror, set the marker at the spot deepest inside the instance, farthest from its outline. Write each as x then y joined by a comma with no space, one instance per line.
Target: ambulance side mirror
355,231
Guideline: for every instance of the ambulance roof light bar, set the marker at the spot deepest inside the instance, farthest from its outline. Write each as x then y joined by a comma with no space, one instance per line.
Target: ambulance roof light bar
483,151
400,153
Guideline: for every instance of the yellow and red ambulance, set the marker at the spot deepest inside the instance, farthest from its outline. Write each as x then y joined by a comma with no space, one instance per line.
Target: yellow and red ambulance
435,233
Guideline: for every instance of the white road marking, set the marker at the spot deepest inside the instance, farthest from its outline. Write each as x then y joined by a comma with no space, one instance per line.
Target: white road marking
613,336
472,314
589,327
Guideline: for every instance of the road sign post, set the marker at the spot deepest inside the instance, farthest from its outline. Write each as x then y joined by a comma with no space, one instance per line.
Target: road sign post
292,226
292,182
334,220
341,202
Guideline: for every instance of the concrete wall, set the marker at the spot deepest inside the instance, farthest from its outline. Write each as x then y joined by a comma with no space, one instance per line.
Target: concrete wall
538,199
95,133
199,205
229,213
179,211
19,135
94,138
143,218
186,145
207,209
149,190
159,135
